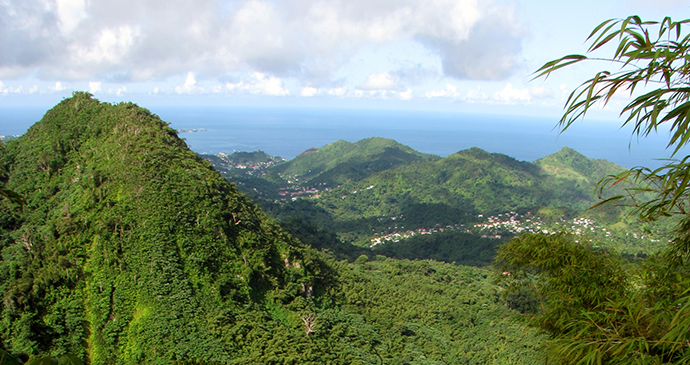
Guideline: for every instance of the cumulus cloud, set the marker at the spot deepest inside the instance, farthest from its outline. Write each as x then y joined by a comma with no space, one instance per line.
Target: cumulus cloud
540,92
405,95
451,91
69,14
58,87
189,86
259,85
379,81
337,91
476,95
94,87
490,53
309,91
511,95
144,40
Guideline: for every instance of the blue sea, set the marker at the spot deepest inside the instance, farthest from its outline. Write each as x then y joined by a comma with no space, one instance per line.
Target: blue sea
288,131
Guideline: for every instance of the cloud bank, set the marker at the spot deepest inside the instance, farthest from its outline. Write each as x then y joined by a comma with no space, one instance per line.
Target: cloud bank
309,40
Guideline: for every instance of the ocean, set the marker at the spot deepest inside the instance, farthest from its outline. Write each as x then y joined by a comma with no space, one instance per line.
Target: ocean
286,132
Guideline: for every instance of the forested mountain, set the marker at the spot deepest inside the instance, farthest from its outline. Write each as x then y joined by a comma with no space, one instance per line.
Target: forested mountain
568,164
130,249
343,161
476,199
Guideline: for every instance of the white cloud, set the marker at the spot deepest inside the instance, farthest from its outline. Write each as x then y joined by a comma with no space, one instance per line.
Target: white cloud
511,95
310,40
260,85
309,91
540,92
405,95
94,87
476,95
111,46
58,87
189,86
70,13
337,91
379,81
450,91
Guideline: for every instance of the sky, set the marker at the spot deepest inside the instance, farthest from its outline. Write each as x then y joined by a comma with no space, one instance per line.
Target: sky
459,55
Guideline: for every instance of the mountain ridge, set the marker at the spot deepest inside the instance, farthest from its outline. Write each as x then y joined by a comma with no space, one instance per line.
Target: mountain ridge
457,190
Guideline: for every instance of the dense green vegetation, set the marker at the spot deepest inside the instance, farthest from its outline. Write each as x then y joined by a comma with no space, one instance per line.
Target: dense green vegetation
130,249
343,161
457,193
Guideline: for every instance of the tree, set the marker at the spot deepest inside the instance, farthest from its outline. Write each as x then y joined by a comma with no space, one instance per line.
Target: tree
591,313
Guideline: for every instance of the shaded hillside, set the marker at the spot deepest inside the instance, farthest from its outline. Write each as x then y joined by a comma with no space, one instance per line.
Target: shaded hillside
131,249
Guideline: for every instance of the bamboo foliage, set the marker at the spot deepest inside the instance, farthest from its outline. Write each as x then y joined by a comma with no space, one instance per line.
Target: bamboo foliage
595,309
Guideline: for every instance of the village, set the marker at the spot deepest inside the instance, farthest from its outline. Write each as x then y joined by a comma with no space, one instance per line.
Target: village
252,167
508,224
494,227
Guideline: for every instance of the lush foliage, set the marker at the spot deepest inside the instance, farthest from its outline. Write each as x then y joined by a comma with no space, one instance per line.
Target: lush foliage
596,308
131,249
454,190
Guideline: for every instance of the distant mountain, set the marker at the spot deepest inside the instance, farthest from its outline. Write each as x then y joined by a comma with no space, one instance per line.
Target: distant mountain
569,164
8,138
243,159
342,161
471,181
457,192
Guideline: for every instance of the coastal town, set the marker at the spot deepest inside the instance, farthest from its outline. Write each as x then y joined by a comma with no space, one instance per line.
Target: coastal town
246,163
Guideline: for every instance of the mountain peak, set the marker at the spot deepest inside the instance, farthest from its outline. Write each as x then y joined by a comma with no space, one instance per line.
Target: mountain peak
131,239
572,164
342,161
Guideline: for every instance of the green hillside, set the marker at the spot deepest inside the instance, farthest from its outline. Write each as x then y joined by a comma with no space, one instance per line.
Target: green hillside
343,161
474,181
129,245
475,200
131,249
568,164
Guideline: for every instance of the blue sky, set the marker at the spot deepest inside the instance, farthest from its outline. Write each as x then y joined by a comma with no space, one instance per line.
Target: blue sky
459,55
